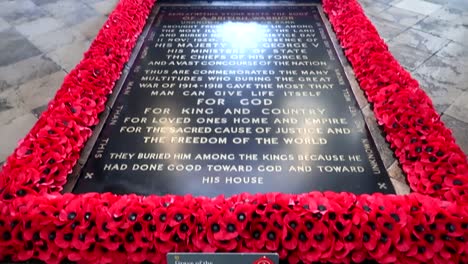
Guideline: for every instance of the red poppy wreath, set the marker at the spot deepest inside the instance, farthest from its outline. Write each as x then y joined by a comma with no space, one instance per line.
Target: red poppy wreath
428,226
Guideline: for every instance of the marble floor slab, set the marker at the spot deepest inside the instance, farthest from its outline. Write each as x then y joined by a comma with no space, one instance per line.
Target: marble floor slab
39,26
418,6
20,11
42,40
401,16
408,56
388,30
419,40
442,93
15,47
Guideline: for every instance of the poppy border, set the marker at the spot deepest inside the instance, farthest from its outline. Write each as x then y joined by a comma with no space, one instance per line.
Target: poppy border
429,225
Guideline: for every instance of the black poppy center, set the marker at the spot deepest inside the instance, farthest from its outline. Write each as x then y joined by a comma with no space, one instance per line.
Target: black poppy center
184,227
366,237
256,234
429,238
137,227
419,228
319,237
148,217
293,224
215,228
162,217
350,237
241,217
395,217
132,217
457,182
339,226
231,228
179,217
6,235
302,237
68,237
21,192
129,237
388,225
450,227
271,235
52,236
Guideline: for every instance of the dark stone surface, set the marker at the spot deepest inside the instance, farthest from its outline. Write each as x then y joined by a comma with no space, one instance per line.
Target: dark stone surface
15,47
325,95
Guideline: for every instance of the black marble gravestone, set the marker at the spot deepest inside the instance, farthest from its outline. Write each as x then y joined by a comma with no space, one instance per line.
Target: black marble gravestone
230,99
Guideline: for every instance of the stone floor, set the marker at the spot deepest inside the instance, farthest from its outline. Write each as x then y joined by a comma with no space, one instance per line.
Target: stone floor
42,40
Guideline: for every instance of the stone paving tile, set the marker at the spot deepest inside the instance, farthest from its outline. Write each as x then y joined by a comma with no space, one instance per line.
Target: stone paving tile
35,92
11,107
387,30
456,52
4,25
459,130
25,70
15,47
14,130
458,4
105,7
63,7
3,85
440,2
44,2
452,15
384,1
418,6
442,93
445,71
74,18
5,105
53,40
421,41
70,12
373,8
409,57
459,109
69,55
401,16
451,30
20,11
91,2
90,27
39,26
